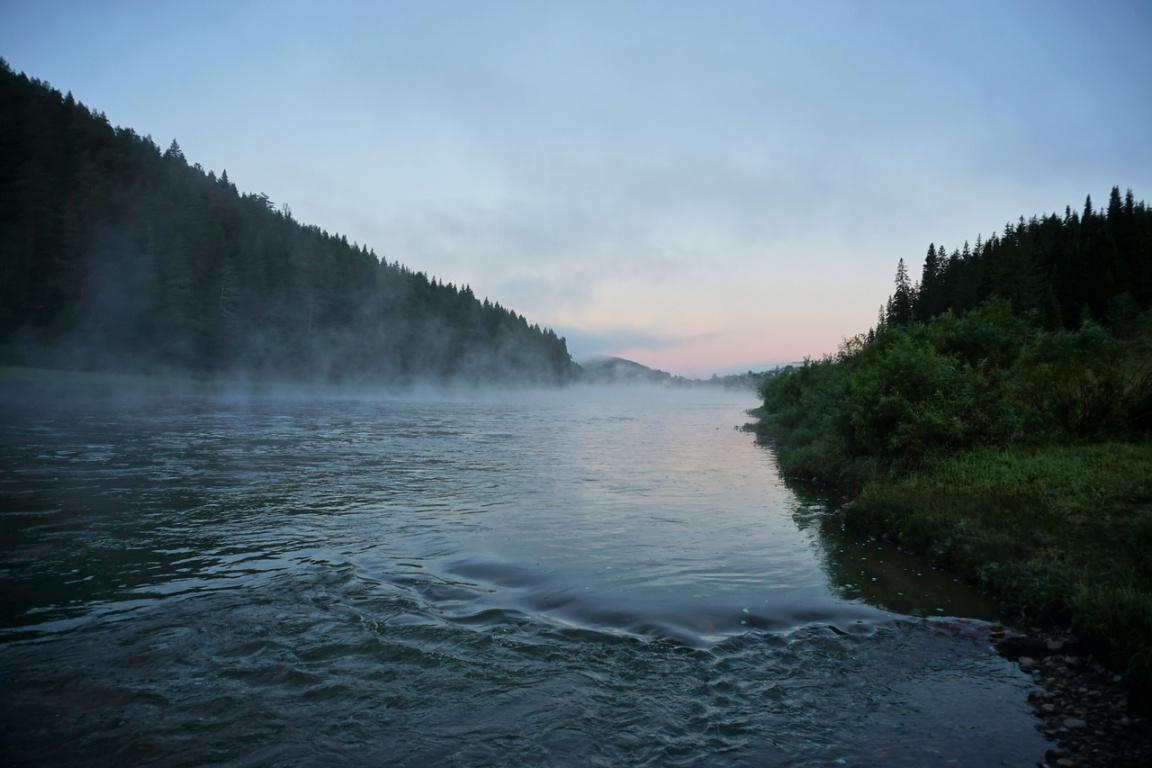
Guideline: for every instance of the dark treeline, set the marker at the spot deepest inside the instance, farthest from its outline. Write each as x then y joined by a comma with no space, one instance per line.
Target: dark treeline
1094,265
115,254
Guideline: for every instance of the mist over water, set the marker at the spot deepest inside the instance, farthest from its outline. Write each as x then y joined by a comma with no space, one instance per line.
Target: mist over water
574,577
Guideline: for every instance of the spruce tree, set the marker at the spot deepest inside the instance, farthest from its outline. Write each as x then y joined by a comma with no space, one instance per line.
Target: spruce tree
900,305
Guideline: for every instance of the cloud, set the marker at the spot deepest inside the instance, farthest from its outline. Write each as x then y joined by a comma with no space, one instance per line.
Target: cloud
749,175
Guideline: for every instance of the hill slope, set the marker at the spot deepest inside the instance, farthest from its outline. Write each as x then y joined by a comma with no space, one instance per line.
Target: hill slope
117,255
617,370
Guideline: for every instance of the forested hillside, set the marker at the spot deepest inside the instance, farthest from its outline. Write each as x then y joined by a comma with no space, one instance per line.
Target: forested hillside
999,420
115,254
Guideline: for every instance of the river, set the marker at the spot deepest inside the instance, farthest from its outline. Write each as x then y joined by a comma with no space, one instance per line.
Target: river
577,577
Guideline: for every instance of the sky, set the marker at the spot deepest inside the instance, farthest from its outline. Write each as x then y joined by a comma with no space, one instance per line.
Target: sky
700,187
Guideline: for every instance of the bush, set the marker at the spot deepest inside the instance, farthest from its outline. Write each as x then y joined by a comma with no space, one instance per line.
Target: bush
1018,458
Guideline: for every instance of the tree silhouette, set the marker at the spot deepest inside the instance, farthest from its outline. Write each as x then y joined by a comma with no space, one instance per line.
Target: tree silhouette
1064,269
899,309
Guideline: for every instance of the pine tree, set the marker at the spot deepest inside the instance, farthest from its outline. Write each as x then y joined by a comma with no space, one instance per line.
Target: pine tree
929,295
899,311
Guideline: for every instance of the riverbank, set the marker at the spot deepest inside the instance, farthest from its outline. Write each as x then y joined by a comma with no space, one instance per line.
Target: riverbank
1058,534
1055,534
1017,457
1082,706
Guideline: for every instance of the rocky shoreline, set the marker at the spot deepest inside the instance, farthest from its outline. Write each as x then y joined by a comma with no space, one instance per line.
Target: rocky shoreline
1082,706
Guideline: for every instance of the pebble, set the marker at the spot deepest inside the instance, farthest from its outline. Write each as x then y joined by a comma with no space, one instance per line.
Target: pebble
1082,707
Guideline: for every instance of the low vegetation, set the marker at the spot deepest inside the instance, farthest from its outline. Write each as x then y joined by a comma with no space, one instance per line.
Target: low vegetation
1001,442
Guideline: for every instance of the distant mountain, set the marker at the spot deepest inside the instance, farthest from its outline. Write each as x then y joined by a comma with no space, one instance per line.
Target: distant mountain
617,370
117,255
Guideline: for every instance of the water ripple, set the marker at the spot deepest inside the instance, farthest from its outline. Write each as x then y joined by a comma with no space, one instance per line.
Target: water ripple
566,579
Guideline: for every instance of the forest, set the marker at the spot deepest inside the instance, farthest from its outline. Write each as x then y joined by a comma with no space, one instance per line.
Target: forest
998,419
116,255
1093,265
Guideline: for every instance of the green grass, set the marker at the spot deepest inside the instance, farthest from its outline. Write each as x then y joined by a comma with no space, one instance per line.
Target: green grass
1061,533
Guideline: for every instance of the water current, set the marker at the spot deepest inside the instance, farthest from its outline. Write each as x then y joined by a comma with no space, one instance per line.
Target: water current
579,577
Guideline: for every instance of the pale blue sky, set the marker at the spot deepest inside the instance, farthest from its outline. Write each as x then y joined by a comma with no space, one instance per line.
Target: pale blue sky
698,186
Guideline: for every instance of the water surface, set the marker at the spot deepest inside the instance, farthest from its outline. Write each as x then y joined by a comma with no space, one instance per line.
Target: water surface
583,577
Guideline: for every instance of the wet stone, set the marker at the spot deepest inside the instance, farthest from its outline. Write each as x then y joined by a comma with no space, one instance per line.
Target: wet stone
1081,706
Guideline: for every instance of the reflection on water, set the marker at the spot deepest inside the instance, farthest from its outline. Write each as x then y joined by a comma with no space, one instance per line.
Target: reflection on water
877,572
577,577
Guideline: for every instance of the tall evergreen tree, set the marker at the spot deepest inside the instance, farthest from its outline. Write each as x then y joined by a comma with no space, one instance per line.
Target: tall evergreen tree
929,297
899,310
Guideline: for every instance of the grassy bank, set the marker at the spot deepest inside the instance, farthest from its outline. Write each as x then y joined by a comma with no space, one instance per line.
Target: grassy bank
1019,458
1062,534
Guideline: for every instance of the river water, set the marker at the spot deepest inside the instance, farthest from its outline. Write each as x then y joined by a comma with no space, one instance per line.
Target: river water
579,577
